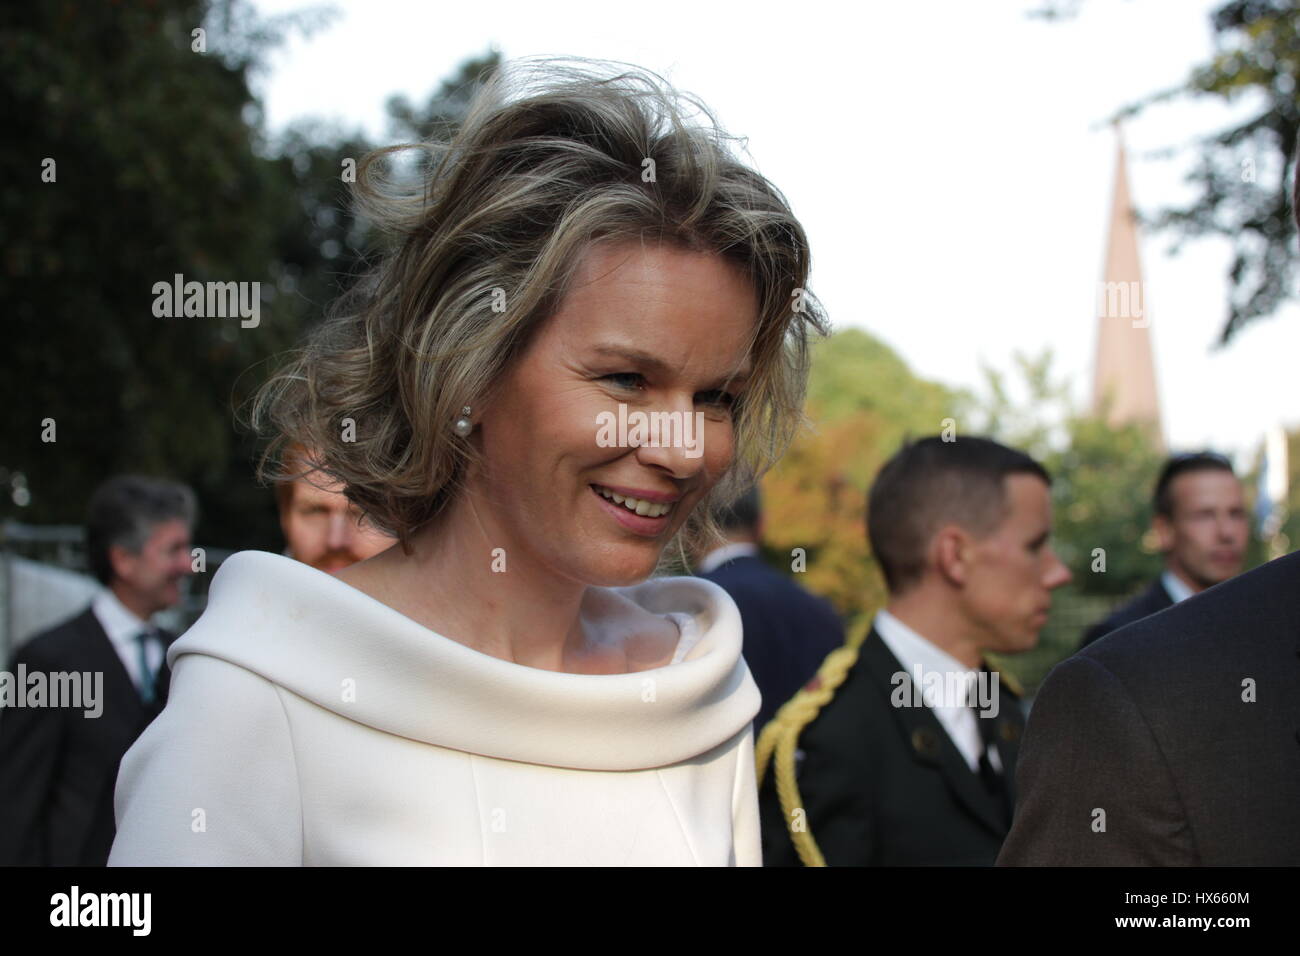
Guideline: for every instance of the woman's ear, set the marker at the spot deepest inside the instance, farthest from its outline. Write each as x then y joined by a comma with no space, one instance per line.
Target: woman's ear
479,406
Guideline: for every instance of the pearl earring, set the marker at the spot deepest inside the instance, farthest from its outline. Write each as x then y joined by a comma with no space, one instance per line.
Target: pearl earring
463,425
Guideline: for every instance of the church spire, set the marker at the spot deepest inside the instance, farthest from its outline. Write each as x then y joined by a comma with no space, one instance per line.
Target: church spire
1124,372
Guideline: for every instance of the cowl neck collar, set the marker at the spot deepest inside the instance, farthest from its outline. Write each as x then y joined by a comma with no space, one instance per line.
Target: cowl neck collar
329,643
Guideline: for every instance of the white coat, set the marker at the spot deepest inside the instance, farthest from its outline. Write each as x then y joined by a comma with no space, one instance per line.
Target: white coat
309,724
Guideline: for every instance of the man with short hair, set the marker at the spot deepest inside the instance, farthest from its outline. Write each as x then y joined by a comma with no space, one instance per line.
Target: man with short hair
1202,526
58,764
322,528
909,762
787,630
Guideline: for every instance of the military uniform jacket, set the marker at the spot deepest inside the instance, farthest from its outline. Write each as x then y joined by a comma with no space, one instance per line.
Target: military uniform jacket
882,785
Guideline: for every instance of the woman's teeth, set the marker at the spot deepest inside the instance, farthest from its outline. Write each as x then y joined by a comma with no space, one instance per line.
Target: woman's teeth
647,509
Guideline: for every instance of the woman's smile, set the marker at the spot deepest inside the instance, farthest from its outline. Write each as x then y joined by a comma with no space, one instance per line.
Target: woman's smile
639,515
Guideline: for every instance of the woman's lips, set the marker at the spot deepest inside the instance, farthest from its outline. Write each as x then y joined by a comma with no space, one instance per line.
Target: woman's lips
639,524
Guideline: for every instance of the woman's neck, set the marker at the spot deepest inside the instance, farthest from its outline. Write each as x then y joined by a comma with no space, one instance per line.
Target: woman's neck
471,583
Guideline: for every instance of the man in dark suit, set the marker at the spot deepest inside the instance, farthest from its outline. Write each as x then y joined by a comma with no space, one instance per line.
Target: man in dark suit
909,761
788,631
1175,741
58,764
1201,524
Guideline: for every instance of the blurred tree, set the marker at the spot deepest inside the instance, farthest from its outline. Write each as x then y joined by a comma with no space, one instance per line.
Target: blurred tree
1102,482
855,372
1288,536
133,155
863,402
327,246
1242,174
814,511
1102,475
445,109
161,167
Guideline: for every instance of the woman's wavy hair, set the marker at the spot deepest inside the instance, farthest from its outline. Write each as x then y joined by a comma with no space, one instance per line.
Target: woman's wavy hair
552,157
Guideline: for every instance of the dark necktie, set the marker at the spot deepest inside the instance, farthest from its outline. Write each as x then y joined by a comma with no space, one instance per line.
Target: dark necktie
994,781
147,675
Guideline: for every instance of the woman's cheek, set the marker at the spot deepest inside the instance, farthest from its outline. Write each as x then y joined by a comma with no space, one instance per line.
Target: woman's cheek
719,449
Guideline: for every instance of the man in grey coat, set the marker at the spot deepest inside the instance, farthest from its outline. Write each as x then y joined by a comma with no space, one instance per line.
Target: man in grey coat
1174,741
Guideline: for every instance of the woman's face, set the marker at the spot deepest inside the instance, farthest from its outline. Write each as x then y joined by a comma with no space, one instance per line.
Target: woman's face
650,328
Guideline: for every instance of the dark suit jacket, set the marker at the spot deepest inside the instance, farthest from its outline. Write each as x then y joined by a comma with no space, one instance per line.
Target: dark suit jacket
1150,726
788,632
886,786
58,767
1153,599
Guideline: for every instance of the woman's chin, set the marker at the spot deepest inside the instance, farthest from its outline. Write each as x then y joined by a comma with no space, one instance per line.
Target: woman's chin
616,571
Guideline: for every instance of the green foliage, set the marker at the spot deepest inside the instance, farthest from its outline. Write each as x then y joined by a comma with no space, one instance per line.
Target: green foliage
855,373
1102,480
1102,475
163,167
156,175
1032,421
1243,173
1290,533
1288,536
863,401
1101,490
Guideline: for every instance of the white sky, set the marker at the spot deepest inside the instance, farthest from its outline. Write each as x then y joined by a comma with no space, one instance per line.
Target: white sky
949,160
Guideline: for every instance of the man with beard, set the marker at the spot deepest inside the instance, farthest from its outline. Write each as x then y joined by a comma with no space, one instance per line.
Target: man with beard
321,527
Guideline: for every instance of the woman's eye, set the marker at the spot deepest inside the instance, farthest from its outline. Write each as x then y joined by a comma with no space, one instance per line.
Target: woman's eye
717,397
624,379
635,380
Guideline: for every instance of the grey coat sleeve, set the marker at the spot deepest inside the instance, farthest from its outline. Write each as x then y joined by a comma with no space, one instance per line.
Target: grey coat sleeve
1094,787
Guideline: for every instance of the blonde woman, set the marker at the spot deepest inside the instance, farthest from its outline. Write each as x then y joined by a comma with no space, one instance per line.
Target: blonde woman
509,685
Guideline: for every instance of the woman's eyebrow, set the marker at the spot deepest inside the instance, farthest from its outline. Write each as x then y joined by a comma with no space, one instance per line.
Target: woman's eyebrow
633,355
656,364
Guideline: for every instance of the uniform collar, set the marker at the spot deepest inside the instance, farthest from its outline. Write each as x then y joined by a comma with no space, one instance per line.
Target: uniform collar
914,650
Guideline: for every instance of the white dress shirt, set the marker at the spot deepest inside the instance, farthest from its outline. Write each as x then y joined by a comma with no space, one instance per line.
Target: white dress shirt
1175,587
956,716
122,625
720,556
